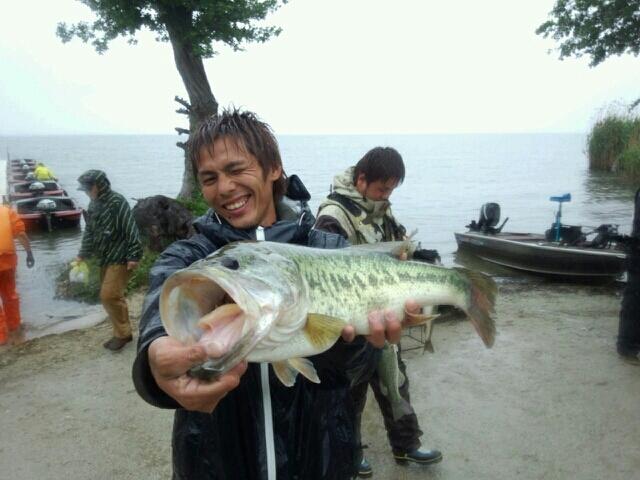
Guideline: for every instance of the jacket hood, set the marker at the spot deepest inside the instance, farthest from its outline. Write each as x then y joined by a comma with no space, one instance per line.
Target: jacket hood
343,184
95,177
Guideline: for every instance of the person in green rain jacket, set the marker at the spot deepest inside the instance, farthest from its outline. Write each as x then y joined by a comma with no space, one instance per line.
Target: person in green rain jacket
111,236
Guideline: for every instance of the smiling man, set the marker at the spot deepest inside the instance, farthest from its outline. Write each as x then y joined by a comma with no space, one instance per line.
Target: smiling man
238,185
246,424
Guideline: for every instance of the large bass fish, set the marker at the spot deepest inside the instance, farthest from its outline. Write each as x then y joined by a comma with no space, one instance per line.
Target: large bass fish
279,303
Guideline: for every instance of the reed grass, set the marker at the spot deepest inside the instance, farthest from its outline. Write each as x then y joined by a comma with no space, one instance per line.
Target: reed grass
613,144
608,140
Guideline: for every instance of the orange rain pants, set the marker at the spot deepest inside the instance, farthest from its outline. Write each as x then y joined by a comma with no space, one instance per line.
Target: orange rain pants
10,308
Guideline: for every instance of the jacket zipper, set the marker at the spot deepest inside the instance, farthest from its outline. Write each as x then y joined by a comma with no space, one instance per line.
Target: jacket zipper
266,403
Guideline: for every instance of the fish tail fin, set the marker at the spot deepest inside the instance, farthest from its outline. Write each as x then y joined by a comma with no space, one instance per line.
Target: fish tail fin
482,298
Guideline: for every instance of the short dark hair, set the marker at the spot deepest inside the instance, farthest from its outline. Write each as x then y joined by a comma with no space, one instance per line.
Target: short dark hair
380,163
250,133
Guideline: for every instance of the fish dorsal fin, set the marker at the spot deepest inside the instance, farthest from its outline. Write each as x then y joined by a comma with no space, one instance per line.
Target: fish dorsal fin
288,370
402,250
322,331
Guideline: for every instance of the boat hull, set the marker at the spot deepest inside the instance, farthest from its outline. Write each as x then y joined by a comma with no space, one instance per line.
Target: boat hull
56,220
65,215
533,253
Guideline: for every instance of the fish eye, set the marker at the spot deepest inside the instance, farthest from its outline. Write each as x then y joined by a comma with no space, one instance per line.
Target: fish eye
230,263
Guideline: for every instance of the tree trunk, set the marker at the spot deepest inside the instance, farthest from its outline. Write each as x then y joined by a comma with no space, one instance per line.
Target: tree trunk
203,103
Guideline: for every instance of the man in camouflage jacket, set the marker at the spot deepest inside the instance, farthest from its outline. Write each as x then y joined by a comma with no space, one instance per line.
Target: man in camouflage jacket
358,209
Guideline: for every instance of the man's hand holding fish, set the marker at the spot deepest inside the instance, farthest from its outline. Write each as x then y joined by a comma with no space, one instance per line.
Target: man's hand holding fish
383,326
170,360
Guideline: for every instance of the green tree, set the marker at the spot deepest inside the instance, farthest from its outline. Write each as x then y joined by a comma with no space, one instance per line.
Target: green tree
193,27
597,28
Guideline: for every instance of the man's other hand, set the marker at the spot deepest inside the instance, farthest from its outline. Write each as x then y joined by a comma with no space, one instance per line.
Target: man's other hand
132,265
384,326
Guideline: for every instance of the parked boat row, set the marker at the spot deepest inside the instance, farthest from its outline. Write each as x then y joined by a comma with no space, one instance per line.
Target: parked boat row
40,201
563,251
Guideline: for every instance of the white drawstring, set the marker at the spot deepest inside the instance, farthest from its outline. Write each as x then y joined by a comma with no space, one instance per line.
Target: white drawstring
266,403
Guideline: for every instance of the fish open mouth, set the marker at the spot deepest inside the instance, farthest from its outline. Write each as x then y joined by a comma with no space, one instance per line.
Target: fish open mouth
205,308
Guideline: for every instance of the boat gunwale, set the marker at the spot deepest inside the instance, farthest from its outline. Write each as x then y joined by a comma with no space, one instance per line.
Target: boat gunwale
556,248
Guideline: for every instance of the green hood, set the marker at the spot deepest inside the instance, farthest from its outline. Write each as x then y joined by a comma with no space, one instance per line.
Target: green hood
95,177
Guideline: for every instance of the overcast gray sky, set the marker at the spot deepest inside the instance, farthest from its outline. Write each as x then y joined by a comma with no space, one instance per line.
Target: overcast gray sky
339,66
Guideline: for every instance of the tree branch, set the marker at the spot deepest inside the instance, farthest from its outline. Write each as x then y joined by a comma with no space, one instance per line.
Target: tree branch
182,102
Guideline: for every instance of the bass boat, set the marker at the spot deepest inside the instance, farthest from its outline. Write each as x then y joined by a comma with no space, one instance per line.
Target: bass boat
563,251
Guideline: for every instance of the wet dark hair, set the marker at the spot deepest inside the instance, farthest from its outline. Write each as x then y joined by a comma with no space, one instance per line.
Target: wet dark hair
380,163
250,133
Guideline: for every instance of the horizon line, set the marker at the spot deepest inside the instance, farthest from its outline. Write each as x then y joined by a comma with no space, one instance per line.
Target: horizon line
93,134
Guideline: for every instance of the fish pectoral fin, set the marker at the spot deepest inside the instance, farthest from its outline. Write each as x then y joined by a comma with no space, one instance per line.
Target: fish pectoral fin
285,373
288,370
305,367
413,319
322,331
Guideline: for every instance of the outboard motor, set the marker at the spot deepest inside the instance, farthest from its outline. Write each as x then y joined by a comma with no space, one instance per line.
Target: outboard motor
489,218
47,206
37,188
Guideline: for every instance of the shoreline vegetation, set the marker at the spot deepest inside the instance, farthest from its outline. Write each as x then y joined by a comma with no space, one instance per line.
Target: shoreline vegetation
613,144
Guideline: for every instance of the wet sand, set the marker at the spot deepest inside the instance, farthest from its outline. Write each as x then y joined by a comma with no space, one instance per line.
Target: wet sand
551,400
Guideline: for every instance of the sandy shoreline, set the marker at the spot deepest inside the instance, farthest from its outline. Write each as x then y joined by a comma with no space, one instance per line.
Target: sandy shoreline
550,400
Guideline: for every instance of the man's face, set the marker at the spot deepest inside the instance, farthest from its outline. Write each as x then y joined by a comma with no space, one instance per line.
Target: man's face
234,184
92,193
378,190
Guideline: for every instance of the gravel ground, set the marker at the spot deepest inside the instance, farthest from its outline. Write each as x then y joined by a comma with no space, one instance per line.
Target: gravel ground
551,400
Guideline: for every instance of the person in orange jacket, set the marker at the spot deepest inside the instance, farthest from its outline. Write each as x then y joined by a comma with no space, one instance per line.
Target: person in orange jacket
10,227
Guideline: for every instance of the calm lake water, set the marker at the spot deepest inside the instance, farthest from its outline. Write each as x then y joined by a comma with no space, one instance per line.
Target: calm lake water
448,178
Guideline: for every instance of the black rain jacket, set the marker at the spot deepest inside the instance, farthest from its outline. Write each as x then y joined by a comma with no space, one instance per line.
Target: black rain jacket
312,423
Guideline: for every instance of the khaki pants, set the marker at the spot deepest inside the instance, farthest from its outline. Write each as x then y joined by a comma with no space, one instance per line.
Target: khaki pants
114,282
